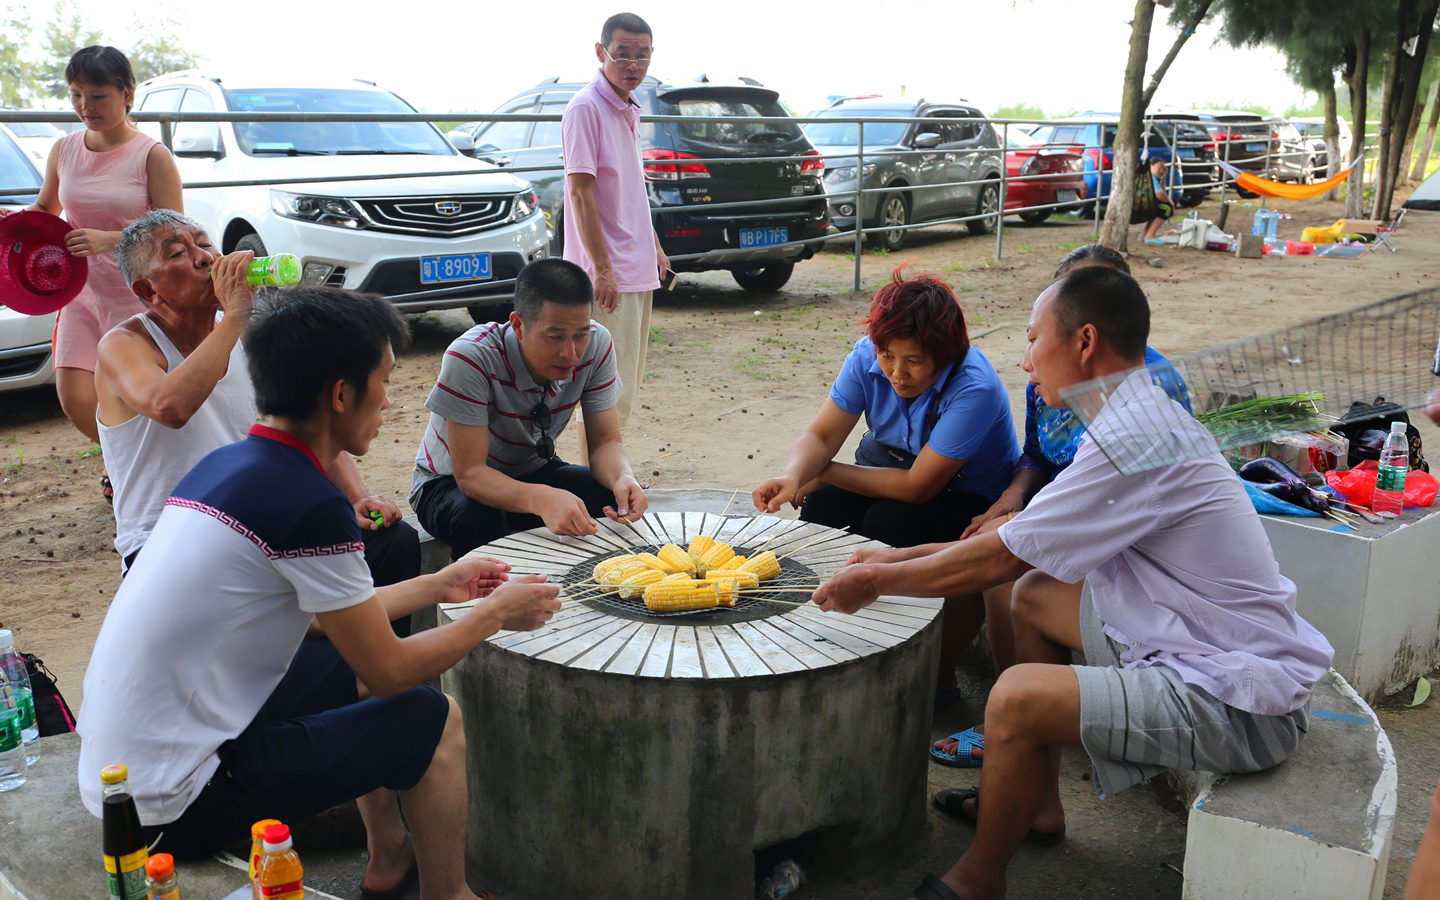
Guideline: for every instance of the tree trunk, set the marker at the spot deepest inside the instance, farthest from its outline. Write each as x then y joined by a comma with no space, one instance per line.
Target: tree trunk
1116,231
1357,79
1407,88
1404,9
1422,160
1186,32
1417,112
1332,136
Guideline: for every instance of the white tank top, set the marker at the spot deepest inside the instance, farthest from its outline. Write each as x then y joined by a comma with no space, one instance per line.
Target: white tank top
145,460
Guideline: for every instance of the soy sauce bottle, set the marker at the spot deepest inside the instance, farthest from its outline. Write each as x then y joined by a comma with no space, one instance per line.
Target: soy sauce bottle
123,841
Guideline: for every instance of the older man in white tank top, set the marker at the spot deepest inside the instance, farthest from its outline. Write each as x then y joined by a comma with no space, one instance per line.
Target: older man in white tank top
173,385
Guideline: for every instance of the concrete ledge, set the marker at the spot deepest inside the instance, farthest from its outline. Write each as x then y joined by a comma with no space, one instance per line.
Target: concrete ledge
1317,825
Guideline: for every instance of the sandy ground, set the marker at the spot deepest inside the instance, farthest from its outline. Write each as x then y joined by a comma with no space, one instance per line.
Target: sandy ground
733,379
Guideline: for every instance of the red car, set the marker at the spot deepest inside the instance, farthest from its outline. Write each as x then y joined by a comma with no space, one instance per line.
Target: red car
1026,158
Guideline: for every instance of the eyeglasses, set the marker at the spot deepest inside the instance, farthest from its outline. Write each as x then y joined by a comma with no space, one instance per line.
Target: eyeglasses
545,446
641,61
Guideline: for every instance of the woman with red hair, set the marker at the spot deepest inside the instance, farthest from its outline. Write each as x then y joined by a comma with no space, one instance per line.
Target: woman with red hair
941,446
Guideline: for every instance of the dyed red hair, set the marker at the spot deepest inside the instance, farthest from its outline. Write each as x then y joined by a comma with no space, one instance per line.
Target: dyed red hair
924,309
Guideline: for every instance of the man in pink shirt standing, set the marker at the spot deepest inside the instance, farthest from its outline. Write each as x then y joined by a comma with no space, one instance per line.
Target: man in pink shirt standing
608,231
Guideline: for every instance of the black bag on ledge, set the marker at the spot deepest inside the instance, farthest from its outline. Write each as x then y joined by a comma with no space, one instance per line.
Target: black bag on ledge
52,713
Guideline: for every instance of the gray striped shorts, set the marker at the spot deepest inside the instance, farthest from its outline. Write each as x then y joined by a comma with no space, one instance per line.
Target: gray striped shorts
1136,723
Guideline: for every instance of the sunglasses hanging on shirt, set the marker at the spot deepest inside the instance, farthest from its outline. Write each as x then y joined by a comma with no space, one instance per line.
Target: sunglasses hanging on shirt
545,446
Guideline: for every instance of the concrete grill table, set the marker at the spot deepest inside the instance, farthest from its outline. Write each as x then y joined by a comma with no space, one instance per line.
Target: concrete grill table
619,754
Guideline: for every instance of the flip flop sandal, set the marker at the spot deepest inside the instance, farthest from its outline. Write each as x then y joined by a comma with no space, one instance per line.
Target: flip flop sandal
952,803
412,877
107,490
963,757
933,888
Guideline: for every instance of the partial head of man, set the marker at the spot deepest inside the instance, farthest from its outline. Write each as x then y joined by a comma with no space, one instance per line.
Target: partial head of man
1093,322
322,356
553,298
166,257
624,51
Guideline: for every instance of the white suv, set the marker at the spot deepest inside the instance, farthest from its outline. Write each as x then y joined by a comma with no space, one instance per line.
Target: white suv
398,237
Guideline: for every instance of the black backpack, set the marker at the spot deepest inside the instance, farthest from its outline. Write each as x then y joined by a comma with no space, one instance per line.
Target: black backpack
1363,417
52,713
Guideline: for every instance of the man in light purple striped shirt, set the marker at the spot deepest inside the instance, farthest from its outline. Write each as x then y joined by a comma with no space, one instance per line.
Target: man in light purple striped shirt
1196,657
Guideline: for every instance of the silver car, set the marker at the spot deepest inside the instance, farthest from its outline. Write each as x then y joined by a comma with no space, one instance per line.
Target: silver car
25,359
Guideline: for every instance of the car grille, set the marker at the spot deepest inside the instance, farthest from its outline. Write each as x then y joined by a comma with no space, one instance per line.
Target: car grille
402,276
17,366
421,215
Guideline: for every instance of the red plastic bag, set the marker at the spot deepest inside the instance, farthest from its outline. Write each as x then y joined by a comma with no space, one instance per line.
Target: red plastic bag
1358,485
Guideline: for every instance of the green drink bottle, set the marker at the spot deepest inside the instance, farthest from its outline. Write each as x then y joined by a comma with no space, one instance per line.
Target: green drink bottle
282,270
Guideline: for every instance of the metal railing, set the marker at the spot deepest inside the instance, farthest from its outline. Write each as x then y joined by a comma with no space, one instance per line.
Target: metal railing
1095,162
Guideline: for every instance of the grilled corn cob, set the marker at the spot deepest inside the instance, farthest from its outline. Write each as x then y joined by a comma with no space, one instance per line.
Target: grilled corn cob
613,571
717,555
765,566
732,564
678,560
699,544
652,561
673,596
729,583
634,585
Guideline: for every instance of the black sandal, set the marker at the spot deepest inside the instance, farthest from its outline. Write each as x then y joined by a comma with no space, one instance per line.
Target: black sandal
952,804
107,490
933,888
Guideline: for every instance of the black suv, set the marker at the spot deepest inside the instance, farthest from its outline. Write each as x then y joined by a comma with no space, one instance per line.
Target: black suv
759,245
919,161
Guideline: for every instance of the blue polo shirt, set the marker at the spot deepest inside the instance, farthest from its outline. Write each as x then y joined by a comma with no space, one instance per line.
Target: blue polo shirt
973,420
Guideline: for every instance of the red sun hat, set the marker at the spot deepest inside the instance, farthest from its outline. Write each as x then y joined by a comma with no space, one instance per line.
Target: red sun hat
37,274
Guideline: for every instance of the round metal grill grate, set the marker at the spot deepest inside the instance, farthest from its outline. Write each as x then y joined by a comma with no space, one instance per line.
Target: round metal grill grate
747,608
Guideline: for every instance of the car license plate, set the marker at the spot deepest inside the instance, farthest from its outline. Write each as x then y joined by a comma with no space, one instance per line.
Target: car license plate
1066,196
751,238
1255,148
460,267
1185,153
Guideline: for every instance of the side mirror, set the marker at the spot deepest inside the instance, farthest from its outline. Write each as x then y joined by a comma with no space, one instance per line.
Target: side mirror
928,140
196,143
461,141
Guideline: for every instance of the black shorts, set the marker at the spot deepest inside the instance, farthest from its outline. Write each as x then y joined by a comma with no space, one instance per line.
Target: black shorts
313,745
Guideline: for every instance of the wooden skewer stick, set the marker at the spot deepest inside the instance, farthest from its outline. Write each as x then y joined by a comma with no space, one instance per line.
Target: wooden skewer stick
781,590
723,512
780,534
609,536
643,541
820,540
735,538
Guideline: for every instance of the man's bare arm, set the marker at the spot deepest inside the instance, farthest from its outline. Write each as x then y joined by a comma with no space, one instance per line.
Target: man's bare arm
581,188
562,511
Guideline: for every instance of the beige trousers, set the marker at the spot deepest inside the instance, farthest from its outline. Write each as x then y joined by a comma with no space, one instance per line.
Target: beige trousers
629,326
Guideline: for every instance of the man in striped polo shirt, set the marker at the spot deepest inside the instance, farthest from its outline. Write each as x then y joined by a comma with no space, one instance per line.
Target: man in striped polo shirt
487,465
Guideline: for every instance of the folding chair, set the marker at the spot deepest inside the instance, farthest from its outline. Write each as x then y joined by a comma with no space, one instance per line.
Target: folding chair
1383,233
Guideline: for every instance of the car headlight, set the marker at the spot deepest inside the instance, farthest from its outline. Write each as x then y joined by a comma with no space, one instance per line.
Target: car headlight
321,210
846,173
524,204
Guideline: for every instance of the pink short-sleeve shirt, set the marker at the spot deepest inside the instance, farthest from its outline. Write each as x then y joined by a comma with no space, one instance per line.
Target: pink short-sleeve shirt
600,136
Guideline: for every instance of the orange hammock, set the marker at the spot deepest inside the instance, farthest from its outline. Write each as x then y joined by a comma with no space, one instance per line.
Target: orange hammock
1267,188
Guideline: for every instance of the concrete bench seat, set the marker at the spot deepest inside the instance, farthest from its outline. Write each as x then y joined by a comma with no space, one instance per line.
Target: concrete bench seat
1317,825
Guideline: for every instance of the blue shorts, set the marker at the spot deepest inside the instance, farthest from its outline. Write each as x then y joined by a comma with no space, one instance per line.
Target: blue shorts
313,745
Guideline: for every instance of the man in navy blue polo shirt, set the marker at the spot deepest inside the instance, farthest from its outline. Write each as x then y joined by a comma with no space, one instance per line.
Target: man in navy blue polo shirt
202,679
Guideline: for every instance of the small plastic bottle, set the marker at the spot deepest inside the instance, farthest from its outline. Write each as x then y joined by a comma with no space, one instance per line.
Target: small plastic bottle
1394,466
161,879
281,876
12,748
282,270
257,850
13,677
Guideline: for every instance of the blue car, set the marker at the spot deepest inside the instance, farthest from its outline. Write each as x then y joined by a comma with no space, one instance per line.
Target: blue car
1194,150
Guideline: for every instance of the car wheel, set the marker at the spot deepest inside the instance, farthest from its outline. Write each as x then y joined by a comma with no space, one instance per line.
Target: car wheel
894,215
988,206
252,243
486,313
1035,216
763,279
1248,195
1193,198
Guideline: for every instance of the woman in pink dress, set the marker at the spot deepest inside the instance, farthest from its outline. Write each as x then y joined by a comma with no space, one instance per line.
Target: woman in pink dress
100,178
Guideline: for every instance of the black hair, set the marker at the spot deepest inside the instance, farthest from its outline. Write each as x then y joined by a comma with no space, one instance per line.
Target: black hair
623,22
100,66
1096,254
1111,301
551,280
300,340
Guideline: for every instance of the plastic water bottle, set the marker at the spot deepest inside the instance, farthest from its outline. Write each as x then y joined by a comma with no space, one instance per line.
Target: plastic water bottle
14,679
1394,465
12,749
